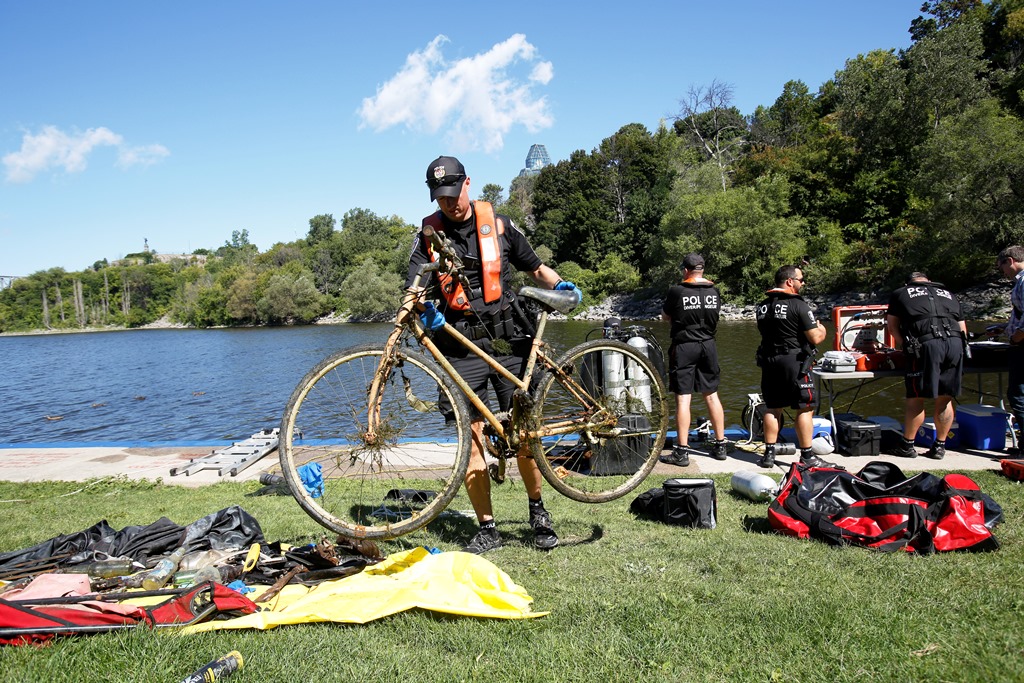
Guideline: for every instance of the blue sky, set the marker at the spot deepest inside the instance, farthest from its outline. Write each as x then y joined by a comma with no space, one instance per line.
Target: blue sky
179,123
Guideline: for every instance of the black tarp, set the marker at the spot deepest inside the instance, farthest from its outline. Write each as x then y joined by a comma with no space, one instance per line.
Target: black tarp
229,528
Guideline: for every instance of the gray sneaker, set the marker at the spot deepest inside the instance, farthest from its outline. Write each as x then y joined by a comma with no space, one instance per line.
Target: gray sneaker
544,537
768,459
937,451
905,450
485,540
680,456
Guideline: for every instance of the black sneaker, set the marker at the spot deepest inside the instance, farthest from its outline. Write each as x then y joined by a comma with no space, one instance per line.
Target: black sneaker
905,450
680,456
768,459
813,460
544,537
719,449
485,540
937,451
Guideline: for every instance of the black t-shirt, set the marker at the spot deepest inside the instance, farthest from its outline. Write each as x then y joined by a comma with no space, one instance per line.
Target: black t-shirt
926,309
694,308
516,253
782,320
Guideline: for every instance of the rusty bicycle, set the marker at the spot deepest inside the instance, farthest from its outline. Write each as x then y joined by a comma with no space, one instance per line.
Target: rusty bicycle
594,419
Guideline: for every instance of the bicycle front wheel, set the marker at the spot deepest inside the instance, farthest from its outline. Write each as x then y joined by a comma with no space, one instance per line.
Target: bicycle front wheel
386,482
600,418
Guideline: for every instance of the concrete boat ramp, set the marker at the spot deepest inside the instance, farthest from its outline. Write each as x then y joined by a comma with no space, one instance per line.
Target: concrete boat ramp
82,462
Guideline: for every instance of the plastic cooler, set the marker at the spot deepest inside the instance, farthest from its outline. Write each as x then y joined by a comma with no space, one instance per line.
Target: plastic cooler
821,425
982,426
856,436
926,434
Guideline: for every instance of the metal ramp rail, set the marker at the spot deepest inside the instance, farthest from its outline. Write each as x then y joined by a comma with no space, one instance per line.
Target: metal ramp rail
233,458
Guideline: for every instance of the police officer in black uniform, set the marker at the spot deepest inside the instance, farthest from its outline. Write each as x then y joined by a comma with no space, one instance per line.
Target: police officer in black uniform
925,319
489,249
693,307
789,334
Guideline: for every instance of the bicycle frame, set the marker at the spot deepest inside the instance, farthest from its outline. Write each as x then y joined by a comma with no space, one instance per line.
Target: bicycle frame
408,320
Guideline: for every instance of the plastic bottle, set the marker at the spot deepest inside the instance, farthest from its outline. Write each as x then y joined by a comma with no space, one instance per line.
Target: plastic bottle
208,573
217,670
163,571
754,485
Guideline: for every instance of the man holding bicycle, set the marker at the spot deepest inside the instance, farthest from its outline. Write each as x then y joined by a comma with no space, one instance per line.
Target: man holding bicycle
485,311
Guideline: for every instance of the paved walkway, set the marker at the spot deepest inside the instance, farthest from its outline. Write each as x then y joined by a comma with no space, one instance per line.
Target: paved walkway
80,463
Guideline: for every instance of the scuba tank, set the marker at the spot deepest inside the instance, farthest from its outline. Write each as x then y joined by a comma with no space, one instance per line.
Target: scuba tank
613,374
754,485
638,383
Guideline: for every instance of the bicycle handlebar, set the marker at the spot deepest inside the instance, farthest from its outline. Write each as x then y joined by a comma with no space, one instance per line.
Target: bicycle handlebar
448,261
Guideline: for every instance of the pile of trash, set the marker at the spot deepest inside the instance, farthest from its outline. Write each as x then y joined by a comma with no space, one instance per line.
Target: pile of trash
220,568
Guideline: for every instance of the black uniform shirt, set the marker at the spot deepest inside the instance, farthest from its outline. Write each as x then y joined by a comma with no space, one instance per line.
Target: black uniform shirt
694,308
782,319
516,252
925,307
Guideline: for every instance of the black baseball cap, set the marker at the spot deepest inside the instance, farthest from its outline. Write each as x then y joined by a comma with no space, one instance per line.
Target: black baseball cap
444,177
693,262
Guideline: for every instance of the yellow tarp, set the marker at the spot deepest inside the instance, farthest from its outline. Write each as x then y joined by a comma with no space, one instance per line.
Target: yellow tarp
452,582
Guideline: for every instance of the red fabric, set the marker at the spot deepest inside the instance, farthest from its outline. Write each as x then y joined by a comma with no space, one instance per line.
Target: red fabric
963,523
46,621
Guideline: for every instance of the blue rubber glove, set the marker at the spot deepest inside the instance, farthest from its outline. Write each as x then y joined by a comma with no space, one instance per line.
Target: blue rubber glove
569,287
431,317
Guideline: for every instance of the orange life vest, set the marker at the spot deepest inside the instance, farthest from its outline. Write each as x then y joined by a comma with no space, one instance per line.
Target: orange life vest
488,227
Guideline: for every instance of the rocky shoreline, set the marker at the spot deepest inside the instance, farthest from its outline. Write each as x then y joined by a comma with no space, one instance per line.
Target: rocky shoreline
986,302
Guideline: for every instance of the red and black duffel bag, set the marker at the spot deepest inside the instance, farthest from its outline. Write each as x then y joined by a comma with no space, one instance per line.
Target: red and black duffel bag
881,508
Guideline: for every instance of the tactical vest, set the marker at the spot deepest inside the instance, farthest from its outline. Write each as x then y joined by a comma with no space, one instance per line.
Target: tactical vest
488,227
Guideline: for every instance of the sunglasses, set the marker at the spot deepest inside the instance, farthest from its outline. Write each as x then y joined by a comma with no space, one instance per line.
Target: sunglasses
797,279
434,183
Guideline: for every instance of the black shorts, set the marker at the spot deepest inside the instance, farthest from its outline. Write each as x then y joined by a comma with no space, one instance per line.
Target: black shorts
479,375
937,370
693,367
783,385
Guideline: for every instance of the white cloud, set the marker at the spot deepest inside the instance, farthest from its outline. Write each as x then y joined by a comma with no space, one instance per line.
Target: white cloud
146,155
475,101
53,148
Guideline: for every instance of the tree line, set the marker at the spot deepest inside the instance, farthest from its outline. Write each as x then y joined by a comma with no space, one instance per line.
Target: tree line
905,160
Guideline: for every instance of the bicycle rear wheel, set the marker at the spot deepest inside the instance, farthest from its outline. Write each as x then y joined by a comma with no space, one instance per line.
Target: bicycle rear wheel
384,484
601,416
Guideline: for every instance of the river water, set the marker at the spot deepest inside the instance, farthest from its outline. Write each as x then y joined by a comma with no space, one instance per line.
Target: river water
168,385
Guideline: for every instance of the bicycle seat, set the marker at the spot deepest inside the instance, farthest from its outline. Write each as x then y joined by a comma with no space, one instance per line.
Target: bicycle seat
562,301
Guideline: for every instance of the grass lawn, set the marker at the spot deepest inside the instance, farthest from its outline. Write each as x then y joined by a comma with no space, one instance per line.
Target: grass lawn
629,600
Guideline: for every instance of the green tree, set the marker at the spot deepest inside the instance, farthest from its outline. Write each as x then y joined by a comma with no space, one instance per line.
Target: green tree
790,121
321,228
712,126
574,212
745,233
970,186
945,72
492,193
289,298
371,292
